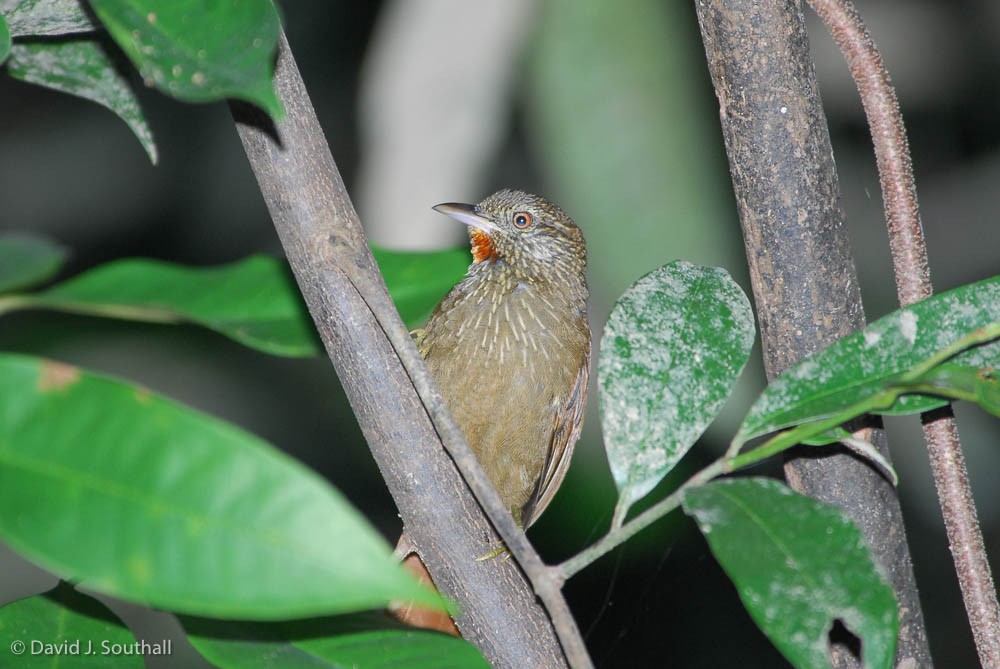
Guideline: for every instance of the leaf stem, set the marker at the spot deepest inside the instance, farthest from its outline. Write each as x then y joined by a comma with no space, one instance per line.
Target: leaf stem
621,510
785,440
642,521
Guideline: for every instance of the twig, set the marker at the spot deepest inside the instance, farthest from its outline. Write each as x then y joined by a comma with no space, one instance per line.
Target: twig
367,342
909,257
620,534
730,462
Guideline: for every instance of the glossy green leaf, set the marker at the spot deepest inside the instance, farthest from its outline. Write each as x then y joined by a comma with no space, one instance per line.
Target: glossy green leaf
136,496
200,51
65,628
673,347
864,363
418,281
27,259
5,40
798,565
254,301
87,68
45,17
368,641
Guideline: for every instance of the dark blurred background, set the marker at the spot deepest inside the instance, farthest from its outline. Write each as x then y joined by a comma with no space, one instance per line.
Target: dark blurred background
607,109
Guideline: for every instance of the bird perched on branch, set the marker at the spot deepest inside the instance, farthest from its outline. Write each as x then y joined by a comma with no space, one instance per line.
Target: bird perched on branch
509,346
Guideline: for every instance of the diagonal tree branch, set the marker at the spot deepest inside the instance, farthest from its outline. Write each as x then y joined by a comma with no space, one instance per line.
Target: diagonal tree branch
399,410
913,283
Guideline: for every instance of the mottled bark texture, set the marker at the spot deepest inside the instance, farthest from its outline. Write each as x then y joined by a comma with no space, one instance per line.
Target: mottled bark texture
803,276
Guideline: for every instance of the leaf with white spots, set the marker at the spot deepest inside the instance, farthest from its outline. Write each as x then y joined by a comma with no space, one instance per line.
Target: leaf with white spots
133,495
87,67
673,347
46,17
199,51
798,565
862,364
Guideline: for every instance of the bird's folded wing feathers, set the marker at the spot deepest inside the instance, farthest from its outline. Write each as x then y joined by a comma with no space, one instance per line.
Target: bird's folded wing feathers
566,430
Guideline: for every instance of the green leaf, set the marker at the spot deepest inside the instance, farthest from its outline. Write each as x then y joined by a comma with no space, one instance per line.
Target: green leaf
254,301
798,565
63,628
27,259
673,347
200,51
418,281
866,362
5,40
138,497
45,17
371,641
87,68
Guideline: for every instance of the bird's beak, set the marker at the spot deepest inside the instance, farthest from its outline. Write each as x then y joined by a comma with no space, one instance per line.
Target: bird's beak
466,213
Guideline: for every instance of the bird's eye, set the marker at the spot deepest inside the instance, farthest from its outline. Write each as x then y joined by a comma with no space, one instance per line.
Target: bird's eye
522,219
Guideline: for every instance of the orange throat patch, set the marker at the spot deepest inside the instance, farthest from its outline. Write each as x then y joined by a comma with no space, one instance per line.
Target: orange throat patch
482,246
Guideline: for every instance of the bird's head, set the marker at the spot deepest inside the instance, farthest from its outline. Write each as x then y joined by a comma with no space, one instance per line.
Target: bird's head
524,233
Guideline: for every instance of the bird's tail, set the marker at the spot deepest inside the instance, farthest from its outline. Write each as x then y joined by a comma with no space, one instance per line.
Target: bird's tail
408,612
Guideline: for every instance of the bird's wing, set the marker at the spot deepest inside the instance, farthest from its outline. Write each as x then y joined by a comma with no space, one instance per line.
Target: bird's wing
568,423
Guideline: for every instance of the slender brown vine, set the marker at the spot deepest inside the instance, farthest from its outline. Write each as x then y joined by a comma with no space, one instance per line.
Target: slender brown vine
909,257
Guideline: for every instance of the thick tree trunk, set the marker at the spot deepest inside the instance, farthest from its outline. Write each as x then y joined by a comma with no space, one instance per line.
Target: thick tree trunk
803,276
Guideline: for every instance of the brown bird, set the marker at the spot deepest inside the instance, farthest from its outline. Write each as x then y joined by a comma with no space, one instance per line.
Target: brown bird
509,348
